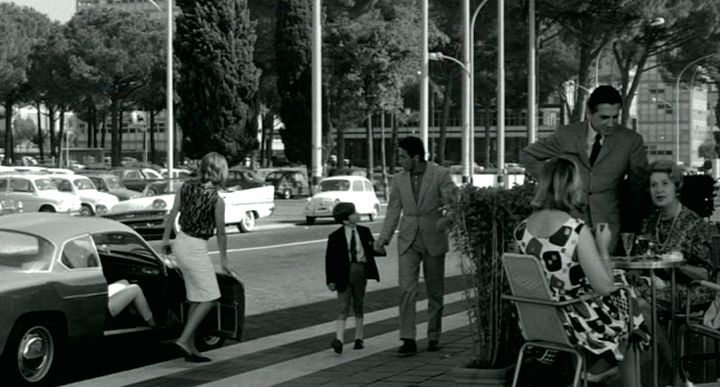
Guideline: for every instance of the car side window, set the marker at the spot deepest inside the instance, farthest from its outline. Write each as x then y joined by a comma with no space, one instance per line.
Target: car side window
357,186
80,253
133,175
3,185
368,186
99,184
20,185
151,174
63,185
299,177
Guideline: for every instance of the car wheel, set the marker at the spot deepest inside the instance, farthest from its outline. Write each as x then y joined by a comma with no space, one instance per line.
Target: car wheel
47,208
30,354
247,223
287,194
206,342
310,220
86,210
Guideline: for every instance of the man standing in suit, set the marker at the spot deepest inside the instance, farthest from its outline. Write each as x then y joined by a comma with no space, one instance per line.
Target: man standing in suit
606,154
418,194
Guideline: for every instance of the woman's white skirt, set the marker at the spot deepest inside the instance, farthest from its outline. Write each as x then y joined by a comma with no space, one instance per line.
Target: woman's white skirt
197,268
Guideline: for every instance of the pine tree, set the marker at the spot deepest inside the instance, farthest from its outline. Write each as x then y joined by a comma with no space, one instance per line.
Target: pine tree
218,79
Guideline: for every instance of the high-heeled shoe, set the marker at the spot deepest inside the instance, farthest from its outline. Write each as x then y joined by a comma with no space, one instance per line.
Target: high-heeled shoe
191,357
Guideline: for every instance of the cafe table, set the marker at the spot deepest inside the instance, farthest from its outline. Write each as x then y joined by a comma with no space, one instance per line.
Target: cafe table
653,264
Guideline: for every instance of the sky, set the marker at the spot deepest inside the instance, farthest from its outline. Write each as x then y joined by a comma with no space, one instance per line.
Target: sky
60,10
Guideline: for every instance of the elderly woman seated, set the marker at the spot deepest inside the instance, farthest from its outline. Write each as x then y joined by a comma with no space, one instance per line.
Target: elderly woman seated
674,231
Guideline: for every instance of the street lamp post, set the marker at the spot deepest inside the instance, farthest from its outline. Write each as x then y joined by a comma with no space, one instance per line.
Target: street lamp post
466,164
169,122
472,83
677,106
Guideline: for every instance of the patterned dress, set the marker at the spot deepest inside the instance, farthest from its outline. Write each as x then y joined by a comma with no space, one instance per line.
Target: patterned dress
598,325
688,234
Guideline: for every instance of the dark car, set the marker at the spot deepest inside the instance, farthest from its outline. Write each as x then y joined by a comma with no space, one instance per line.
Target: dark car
289,183
243,178
105,182
56,270
137,178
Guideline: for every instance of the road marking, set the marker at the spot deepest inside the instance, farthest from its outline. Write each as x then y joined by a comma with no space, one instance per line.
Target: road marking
169,367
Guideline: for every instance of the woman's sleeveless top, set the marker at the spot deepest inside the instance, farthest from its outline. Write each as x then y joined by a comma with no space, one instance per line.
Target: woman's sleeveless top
197,209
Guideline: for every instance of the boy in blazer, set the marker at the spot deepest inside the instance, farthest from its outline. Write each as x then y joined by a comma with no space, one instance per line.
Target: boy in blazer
349,263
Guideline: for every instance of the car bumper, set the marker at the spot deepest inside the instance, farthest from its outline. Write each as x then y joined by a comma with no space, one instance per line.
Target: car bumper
149,224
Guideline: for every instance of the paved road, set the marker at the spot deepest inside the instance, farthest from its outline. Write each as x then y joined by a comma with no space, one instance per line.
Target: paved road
282,267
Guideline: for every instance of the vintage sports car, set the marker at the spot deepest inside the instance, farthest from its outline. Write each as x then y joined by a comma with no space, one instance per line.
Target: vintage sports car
147,214
92,201
55,273
333,190
37,193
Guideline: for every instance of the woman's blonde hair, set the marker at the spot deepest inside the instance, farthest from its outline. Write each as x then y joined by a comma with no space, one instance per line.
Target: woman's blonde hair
667,166
213,168
560,186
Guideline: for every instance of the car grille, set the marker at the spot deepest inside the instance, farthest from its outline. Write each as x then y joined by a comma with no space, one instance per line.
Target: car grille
139,215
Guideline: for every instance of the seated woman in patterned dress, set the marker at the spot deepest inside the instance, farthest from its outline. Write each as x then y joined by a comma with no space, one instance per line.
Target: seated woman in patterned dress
672,229
576,263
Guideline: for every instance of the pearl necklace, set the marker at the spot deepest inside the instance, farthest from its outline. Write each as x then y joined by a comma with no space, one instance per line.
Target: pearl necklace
669,233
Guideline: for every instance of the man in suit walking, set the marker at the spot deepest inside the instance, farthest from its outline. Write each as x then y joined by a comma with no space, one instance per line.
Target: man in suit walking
418,194
606,154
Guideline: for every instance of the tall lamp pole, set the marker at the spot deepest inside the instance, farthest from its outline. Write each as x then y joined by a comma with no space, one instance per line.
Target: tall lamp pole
532,73
472,82
316,79
170,124
677,106
501,92
424,77
467,170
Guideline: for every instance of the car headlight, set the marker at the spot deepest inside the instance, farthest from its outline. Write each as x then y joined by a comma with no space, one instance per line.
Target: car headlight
100,209
159,204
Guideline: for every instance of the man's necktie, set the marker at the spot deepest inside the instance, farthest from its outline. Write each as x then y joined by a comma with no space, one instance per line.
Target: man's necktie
353,248
595,149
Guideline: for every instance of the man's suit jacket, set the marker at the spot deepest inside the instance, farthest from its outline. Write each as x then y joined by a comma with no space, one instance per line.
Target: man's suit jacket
419,219
337,257
622,154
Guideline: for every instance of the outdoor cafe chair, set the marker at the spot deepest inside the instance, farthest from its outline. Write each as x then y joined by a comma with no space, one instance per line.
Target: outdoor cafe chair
541,317
695,325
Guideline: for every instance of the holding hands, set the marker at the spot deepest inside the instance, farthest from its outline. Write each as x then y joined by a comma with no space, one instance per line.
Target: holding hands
379,246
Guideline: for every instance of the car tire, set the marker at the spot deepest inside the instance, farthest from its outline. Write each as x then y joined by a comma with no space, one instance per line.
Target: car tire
206,342
31,354
310,220
86,210
47,208
247,224
287,194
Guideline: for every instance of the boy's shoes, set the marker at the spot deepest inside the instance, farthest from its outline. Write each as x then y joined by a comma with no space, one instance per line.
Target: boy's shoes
359,344
433,346
408,348
336,345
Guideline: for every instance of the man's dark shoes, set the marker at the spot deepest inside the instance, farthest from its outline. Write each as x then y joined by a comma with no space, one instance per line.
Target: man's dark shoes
433,346
408,348
337,346
359,344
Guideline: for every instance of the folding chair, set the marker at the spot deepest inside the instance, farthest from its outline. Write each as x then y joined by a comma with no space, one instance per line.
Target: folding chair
695,325
541,317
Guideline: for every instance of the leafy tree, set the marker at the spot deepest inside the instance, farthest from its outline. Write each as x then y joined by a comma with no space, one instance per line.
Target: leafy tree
25,130
112,53
21,29
218,79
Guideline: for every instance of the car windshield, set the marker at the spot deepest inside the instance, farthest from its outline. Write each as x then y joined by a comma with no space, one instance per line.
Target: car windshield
113,182
272,176
334,185
24,252
44,185
83,184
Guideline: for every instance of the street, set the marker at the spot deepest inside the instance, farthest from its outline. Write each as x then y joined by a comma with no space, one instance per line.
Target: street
282,267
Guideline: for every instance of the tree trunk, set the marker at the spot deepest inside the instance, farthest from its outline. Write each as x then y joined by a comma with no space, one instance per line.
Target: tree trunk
103,130
443,123
9,146
341,147
580,93
269,123
630,87
39,133
488,144
61,132
51,130
152,136
393,143
383,159
371,148
114,133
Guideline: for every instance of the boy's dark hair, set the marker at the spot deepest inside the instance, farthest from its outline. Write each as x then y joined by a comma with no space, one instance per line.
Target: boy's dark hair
413,146
603,94
342,211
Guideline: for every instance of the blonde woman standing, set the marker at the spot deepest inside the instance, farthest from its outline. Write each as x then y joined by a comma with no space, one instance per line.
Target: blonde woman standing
202,214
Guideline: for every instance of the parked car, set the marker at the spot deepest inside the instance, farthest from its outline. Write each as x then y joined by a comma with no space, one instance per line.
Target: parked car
244,178
289,183
181,173
147,214
37,193
136,178
92,201
56,270
333,190
105,182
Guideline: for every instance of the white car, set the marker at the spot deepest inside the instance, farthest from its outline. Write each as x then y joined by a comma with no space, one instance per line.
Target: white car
146,215
38,193
93,202
333,190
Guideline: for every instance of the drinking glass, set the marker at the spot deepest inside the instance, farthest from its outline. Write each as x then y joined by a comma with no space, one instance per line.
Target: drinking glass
643,245
628,239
